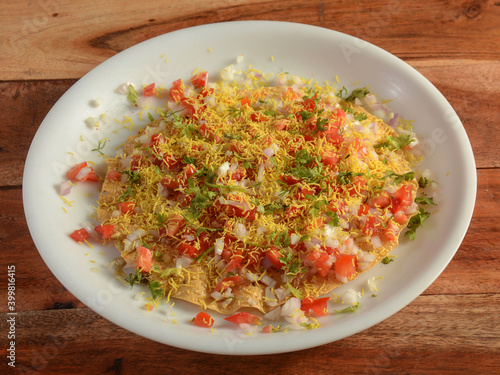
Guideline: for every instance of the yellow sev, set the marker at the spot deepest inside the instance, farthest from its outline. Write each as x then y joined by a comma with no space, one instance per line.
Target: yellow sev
265,150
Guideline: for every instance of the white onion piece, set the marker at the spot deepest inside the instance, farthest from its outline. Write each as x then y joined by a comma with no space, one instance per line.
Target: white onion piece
260,173
240,231
251,277
183,262
216,295
268,280
270,298
274,314
376,242
341,279
269,152
219,245
294,239
83,172
90,229
371,283
138,233
65,187
188,237
412,208
223,169
281,293
350,297
248,329
116,213
290,306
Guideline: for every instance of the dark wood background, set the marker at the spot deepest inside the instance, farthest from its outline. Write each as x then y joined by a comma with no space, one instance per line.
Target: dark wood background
453,327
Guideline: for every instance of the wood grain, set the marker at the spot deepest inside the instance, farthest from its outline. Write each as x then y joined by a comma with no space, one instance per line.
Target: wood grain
426,336
452,328
54,39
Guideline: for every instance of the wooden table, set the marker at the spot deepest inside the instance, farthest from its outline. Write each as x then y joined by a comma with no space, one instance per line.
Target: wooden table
453,327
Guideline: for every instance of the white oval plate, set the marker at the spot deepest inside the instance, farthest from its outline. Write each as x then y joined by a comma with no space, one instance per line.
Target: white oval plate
272,47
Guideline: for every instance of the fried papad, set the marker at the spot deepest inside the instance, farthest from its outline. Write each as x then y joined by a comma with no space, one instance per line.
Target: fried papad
145,175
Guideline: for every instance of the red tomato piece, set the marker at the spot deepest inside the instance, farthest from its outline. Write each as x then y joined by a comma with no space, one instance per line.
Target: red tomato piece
245,101
200,79
203,320
319,306
390,232
73,173
106,230
363,209
402,198
187,172
174,225
289,180
171,161
189,250
274,255
228,282
372,226
381,201
243,317
149,90
126,207
323,264
267,329
170,182
345,266
177,90
400,217
145,259
114,175
309,105
234,262
80,235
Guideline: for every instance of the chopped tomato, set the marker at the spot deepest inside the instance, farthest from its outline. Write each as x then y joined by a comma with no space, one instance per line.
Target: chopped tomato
189,250
82,172
402,199
400,217
390,232
234,262
177,90
80,235
145,259
113,175
274,255
345,266
363,209
170,182
381,200
228,282
135,162
330,159
171,161
309,105
156,139
245,102
243,317
149,90
126,207
258,117
323,264
372,226
267,329
289,180
203,320
200,79
282,124
293,211
174,225
106,230
183,176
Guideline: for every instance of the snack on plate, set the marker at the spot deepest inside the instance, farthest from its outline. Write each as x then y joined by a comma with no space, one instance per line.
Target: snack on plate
249,193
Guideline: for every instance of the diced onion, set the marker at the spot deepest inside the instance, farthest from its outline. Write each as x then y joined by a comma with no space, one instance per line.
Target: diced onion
183,262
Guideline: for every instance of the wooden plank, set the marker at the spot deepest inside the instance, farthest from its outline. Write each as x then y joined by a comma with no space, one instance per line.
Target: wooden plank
433,335
44,39
41,290
25,105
